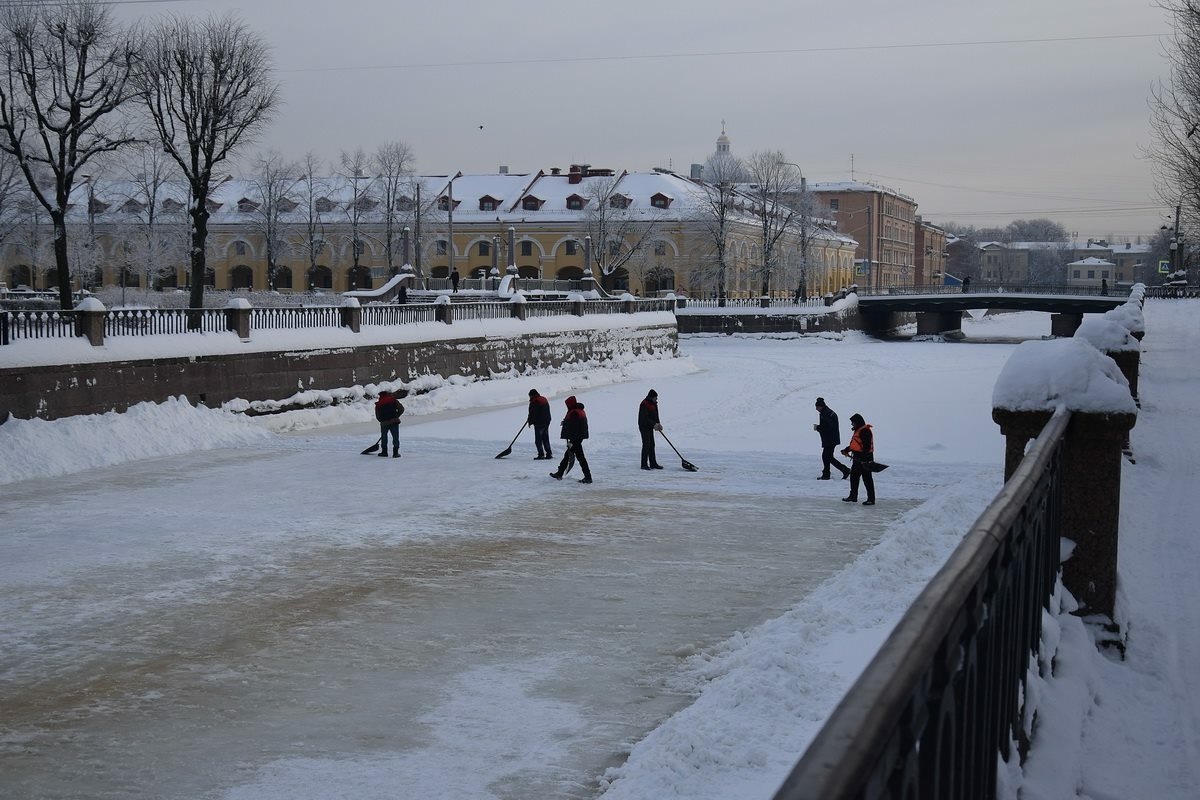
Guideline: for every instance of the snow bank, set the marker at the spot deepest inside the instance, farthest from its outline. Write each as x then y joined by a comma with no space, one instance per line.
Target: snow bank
1041,376
36,448
1106,335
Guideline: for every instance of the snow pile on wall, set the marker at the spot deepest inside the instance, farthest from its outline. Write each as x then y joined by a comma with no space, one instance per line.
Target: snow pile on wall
1106,335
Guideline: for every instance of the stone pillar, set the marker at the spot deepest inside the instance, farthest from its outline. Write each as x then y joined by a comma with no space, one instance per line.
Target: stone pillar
577,307
764,302
1091,494
1064,325
237,319
351,317
931,323
517,310
89,322
444,312
1128,361
627,306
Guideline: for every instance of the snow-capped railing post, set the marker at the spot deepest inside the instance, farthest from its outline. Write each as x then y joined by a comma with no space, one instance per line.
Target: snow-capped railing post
89,320
443,309
1071,374
1065,324
628,303
350,313
576,301
237,317
1117,342
516,306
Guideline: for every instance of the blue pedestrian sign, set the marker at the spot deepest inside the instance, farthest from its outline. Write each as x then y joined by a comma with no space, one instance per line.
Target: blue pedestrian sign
1164,266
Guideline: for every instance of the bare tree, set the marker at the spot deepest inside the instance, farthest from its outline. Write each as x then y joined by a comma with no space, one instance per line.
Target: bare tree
772,184
312,190
1175,115
618,233
274,179
208,87
11,185
69,66
717,213
393,162
157,243
355,165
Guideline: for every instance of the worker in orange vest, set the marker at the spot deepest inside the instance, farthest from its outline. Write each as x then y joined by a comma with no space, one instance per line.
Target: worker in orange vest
862,452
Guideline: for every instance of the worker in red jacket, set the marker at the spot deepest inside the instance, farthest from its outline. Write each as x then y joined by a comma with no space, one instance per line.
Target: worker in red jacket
539,419
574,430
862,452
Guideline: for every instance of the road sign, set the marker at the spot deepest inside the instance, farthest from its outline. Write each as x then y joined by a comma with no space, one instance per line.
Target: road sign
1164,266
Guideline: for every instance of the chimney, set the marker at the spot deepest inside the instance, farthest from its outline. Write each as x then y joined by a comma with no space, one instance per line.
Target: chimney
697,173
575,175
555,171
503,169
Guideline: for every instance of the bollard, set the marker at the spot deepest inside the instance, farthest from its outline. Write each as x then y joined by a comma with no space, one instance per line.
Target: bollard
237,317
89,321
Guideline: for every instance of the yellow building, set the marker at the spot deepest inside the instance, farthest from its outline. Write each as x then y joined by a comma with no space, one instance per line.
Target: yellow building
646,233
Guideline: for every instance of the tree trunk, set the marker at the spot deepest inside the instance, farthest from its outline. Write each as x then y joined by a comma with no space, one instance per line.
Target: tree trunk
199,237
60,260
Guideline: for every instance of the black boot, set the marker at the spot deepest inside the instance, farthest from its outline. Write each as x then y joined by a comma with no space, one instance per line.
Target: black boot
586,479
556,475
395,454
383,453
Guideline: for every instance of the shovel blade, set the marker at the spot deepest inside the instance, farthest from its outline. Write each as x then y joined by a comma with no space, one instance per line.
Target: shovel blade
507,451
371,449
689,466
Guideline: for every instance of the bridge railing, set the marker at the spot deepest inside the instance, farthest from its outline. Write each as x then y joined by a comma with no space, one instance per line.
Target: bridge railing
942,698
1006,288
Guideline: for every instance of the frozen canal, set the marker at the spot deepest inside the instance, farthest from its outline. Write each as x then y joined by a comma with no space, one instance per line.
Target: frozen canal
288,618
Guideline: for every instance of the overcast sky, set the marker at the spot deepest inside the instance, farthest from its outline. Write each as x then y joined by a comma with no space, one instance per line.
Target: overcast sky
976,133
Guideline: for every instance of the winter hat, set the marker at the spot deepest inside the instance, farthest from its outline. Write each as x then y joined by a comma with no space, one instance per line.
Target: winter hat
533,392
652,393
820,402
858,419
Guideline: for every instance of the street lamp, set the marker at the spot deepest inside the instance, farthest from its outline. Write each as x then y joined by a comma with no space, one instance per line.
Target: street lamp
450,221
91,217
804,202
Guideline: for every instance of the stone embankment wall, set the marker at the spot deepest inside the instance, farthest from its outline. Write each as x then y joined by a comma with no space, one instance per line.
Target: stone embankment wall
51,392
768,323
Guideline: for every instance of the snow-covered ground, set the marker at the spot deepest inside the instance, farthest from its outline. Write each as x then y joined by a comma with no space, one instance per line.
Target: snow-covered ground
226,608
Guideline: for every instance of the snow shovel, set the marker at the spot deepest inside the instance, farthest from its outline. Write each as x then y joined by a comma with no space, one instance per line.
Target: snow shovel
508,449
373,447
689,466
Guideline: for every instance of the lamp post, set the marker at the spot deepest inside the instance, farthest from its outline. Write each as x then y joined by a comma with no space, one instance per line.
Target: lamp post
356,243
804,203
450,222
91,218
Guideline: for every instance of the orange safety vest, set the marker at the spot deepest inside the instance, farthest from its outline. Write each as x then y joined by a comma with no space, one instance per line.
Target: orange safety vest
856,444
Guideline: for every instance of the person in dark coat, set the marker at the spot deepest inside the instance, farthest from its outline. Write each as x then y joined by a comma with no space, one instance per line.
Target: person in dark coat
574,430
831,437
862,452
647,424
402,295
388,410
539,420
454,279
966,284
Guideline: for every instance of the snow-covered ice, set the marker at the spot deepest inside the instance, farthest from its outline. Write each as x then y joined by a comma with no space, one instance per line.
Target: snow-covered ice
202,605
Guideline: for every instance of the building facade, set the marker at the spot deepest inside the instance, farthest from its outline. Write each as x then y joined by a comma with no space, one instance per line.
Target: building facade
884,223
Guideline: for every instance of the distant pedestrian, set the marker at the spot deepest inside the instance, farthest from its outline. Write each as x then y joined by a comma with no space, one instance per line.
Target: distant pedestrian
454,279
831,437
388,410
647,424
966,284
574,430
402,295
1104,287
539,420
862,453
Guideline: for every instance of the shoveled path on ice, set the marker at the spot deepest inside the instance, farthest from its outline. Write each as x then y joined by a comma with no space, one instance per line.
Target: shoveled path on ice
253,639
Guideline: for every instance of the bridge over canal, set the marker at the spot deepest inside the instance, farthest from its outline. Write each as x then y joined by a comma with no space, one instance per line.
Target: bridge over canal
939,309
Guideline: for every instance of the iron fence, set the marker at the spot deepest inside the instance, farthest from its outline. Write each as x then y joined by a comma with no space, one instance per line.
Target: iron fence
148,321
467,311
32,324
755,302
549,308
942,699
398,315
998,288
305,317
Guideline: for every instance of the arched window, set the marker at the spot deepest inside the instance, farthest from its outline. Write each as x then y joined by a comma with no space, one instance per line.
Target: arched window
485,248
320,277
570,274
283,277
359,278
241,277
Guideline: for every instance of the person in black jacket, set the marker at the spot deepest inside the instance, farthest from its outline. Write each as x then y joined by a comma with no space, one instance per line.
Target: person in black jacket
539,419
831,437
574,430
647,424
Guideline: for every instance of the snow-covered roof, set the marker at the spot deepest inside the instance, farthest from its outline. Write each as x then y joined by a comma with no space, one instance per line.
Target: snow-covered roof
1091,261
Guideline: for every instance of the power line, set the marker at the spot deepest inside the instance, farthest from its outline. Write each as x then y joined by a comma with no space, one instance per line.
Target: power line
717,53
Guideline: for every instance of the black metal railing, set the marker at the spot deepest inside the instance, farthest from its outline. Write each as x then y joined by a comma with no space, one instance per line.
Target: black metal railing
149,321
998,288
941,701
38,324
302,317
549,308
398,315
